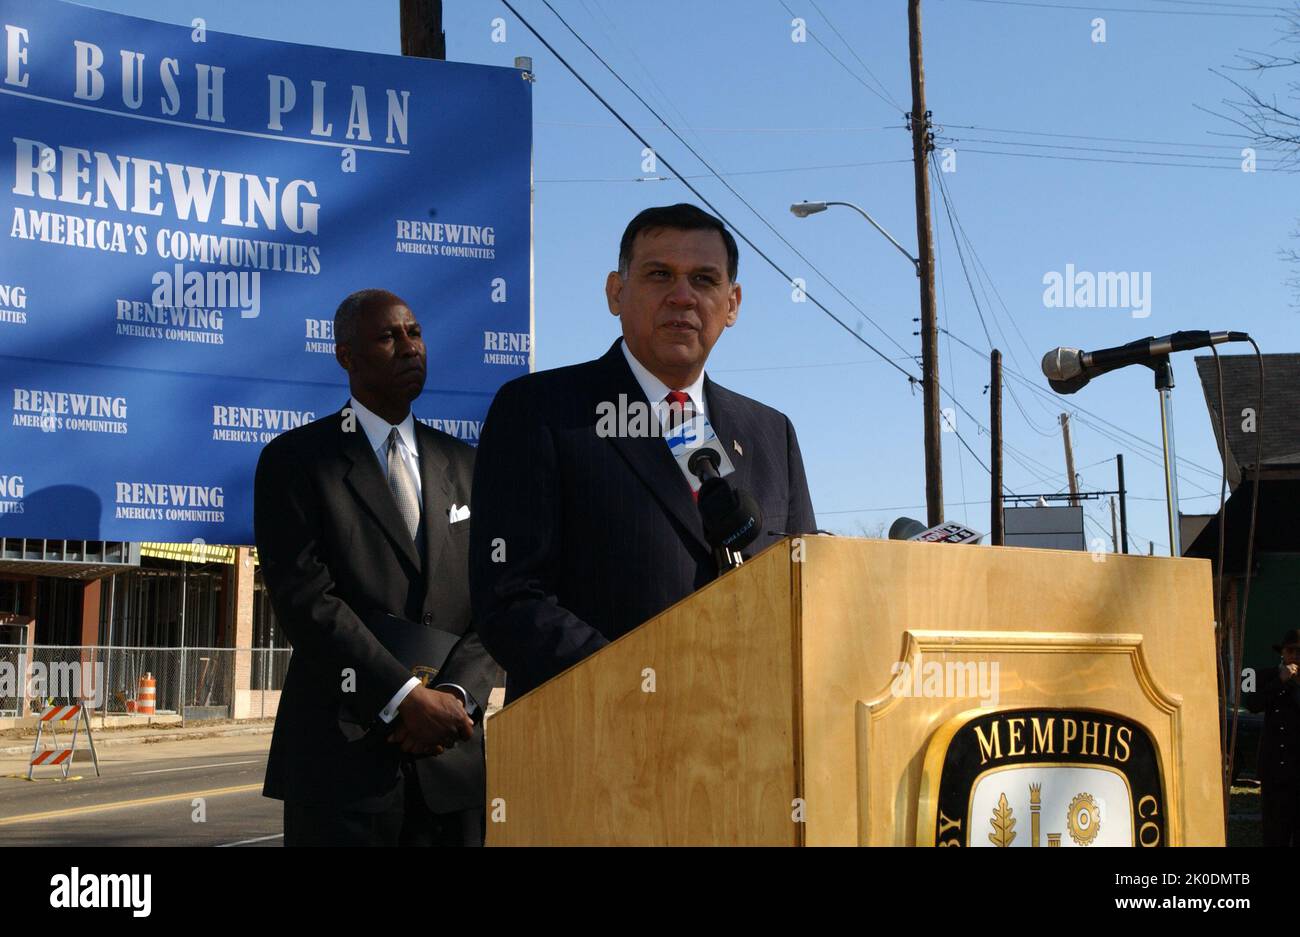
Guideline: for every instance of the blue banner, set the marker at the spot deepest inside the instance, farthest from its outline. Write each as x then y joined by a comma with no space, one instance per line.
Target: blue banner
185,210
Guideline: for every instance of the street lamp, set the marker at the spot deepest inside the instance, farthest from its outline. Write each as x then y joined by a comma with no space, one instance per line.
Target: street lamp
804,209
929,341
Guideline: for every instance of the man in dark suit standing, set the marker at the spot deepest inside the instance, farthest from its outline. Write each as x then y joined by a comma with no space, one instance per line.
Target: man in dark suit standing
357,515
1278,698
580,535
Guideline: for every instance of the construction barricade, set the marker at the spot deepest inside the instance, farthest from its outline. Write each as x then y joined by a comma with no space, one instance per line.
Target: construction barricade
56,756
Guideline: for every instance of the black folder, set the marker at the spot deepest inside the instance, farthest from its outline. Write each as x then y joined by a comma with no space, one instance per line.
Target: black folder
421,649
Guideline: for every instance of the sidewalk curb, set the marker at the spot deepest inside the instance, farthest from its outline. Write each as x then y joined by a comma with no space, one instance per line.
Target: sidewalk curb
181,735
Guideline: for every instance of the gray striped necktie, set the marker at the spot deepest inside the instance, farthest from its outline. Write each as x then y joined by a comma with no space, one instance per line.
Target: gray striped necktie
402,485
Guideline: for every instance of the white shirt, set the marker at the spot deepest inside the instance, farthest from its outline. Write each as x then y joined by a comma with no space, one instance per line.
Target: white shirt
656,390
377,429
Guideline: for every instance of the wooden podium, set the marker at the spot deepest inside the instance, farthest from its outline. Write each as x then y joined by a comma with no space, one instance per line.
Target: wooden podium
815,696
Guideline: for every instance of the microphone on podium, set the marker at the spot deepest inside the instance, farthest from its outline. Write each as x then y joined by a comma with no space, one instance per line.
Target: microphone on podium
907,528
732,518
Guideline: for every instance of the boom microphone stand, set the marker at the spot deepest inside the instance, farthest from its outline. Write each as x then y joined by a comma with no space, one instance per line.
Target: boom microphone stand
1164,380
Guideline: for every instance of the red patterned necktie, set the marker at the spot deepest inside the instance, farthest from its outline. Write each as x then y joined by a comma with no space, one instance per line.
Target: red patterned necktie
680,410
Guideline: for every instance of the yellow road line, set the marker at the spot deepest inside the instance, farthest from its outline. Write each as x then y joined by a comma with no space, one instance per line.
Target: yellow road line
121,804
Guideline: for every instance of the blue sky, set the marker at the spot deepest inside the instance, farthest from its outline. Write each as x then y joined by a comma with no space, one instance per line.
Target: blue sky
771,114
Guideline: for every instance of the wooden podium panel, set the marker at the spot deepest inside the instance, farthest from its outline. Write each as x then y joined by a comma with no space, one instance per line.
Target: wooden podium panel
776,715
1128,634
595,757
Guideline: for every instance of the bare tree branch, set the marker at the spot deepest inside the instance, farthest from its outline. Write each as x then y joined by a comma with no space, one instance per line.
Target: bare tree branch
1269,120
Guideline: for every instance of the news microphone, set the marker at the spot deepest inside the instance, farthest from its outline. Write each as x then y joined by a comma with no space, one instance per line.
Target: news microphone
1069,369
732,518
906,528
703,464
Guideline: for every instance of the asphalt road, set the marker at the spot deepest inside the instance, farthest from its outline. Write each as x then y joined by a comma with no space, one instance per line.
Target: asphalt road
186,793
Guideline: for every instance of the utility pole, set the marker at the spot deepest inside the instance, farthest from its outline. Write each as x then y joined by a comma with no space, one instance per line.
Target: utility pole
919,121
1069,460
997,535
1123,502
1114,529
421,24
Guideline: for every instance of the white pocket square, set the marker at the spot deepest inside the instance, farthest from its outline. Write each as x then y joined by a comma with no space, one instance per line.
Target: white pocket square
458,514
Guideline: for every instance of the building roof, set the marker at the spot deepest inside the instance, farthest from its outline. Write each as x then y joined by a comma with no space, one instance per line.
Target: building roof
1278,422
1275,527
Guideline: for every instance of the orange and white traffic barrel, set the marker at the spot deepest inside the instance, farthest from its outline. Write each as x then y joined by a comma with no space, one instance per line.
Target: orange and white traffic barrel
147,696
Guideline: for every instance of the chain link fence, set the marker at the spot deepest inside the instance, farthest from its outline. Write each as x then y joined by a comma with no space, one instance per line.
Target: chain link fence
197,682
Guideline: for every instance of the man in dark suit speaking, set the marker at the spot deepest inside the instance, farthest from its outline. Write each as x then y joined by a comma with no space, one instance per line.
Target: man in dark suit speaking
581,534
362,514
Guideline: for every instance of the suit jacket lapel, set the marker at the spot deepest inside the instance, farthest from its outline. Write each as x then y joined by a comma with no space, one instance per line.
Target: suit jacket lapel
732,429
435,491
367,482
648,456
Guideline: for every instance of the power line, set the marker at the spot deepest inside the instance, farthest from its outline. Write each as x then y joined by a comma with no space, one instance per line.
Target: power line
898,507
961,439
800,367
1157,450
1155,457
696,192
943,292
1153,460
1097,463
1059,400
742,130
740,172
916,507
954,226
1084,136
636,58
985,277
748,241
853,53
1224,3
844,65
1089,519
1133,443
1118,162
911,378
1074,147
962,257
1091,9
1162,498
724,182
1012,451
1021,458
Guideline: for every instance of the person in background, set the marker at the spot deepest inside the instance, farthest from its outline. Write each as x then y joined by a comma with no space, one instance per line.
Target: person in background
359,514
1278,697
